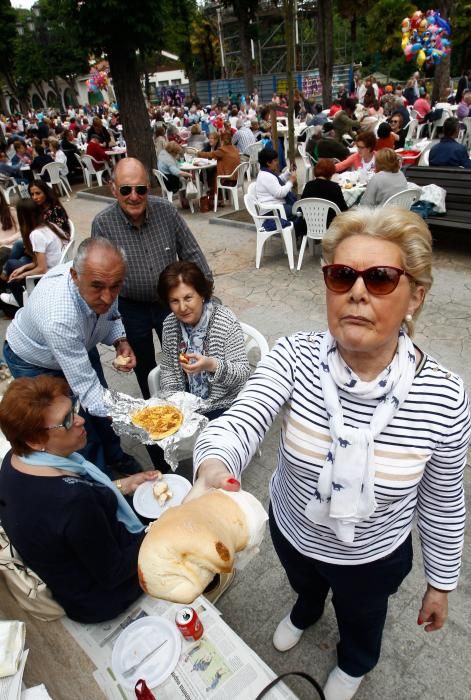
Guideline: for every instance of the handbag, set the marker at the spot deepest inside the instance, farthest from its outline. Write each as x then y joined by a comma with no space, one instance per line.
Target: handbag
191,190
306,676
29,591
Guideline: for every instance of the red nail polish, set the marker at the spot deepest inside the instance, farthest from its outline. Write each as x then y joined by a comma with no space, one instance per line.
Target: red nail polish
231,480
420,621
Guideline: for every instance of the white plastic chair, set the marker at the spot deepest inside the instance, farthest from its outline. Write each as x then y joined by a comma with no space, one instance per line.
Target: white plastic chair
438,123
252,151
308,162
253,340
56,178
286,233
66,256
315,211
84,170
413,129
90,171
424,156
168,193
237,174
404,199
9,185
466,139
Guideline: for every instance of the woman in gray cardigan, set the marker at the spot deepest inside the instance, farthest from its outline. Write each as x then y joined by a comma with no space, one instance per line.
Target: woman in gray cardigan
203,348
388,180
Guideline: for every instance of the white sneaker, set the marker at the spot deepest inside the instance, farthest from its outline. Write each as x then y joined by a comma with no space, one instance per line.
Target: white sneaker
341,686
8,299
286,635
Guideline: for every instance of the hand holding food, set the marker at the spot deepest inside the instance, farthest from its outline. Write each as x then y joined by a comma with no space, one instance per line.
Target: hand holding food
121,361
192,542
197,363
125,359
130,483
183,358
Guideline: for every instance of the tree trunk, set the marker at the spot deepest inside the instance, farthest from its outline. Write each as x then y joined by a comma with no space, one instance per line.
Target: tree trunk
132,106
290,47
325,42
241,12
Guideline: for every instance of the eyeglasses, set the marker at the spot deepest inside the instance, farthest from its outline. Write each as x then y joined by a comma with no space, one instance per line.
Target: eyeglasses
125,190
395,121
68,421
379,280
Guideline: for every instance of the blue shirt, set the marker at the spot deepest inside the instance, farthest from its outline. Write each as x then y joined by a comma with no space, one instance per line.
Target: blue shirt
56,330
449,152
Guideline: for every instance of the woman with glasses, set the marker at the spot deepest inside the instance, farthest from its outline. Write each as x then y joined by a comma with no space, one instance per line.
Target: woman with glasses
398,127
374,435
364,159
70,523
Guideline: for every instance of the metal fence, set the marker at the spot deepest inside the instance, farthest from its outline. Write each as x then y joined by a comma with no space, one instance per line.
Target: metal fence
308,82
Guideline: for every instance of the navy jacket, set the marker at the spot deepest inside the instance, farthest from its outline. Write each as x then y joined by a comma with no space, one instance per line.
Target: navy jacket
449,152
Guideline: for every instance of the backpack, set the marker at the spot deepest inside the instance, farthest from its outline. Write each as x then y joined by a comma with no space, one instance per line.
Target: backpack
29,591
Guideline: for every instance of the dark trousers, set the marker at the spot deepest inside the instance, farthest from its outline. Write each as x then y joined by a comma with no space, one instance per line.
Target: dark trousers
103,445
140,318
360,595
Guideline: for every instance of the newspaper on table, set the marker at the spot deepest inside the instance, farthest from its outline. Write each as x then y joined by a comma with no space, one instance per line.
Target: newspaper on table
218,666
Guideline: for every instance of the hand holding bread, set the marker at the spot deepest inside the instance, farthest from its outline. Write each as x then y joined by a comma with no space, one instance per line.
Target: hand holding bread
189,544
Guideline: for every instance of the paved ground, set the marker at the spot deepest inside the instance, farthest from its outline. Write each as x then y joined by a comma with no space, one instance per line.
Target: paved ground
413,664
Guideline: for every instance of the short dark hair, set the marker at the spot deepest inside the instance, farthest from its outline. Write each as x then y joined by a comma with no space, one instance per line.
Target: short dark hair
187,272
384,129
349,103
267,155
324,168
450,127
23,406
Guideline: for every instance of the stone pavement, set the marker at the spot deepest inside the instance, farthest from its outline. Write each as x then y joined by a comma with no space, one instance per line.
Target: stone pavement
277,302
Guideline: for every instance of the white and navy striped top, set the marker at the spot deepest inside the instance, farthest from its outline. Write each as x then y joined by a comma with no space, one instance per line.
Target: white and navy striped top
420,457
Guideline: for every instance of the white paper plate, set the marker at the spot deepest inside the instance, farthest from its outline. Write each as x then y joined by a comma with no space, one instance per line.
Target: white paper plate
137,640
145,502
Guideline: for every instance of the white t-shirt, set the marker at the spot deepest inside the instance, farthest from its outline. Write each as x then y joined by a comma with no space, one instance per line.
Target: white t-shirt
43,240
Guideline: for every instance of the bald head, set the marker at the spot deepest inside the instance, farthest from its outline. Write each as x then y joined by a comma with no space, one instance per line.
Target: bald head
130,174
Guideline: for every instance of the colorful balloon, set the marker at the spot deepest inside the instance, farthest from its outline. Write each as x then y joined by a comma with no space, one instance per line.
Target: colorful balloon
425,36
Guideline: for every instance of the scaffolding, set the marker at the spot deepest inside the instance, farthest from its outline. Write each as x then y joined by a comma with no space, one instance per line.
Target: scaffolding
269,46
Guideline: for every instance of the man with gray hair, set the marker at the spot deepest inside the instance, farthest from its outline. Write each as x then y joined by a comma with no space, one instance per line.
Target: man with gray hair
74,307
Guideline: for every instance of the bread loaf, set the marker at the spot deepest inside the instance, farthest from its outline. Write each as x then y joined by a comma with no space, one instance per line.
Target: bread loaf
189,544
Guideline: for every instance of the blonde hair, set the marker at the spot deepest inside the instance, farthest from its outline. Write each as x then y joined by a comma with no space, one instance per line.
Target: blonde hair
400,226
387,160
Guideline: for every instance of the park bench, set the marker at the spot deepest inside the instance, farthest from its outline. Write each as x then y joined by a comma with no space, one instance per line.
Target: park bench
457,183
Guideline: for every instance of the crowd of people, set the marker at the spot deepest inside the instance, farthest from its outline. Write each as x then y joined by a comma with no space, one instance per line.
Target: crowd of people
347,485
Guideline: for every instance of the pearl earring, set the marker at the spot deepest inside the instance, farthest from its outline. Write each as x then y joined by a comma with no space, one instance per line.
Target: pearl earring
409,318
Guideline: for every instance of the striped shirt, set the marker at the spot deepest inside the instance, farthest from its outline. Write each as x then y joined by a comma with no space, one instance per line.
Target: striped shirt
149,248
57,329
420,457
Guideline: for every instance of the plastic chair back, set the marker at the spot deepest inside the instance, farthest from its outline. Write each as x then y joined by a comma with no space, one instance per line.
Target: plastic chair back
315,211
404,199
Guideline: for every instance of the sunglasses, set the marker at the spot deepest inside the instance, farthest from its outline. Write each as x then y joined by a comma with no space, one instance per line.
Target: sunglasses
125,190
68,421
379,280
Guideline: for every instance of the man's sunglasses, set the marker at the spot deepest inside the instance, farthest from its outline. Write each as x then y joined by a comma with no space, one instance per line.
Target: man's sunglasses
379,280
68,421
125,190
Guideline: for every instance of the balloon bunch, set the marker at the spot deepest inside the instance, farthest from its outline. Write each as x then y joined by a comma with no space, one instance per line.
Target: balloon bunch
425,36
98,81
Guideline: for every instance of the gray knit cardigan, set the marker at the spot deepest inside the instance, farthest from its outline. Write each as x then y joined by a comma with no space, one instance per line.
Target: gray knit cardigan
224,341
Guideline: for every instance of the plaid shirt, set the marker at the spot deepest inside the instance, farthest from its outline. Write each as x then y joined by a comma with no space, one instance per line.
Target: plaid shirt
243,138
162,238
56,330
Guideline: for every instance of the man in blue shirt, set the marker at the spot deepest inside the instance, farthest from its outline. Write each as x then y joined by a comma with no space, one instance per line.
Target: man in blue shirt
74,307
449,152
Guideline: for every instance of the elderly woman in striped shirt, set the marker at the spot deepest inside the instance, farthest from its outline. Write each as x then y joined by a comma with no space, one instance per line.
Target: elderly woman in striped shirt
375,434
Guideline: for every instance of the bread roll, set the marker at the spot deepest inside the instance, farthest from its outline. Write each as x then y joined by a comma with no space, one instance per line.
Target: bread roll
189,544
